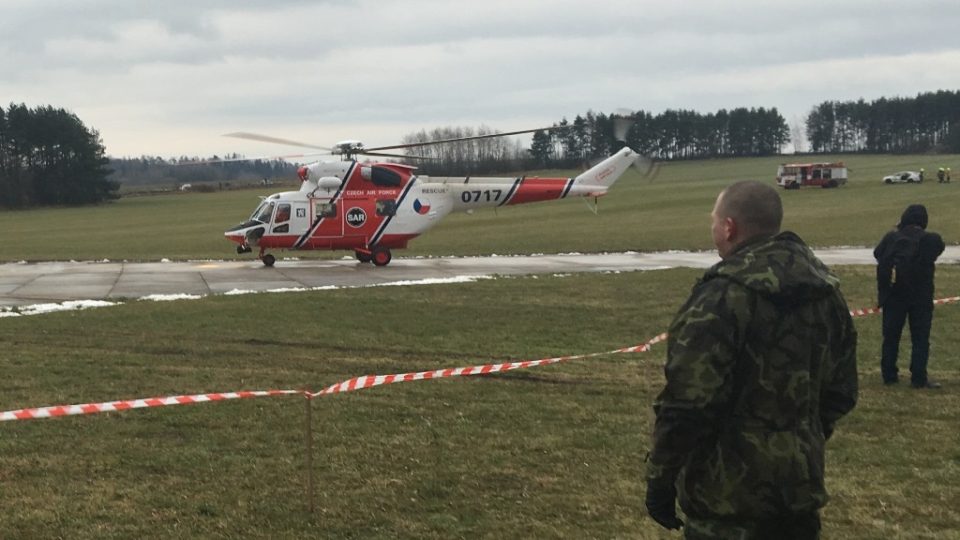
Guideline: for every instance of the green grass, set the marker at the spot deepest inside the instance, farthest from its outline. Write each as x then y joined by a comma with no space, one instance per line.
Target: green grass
550,452
670,212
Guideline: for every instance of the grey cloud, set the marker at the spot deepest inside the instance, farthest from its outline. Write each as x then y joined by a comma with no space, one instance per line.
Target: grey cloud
436,62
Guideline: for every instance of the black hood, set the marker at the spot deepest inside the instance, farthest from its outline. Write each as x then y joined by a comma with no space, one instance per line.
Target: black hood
915,214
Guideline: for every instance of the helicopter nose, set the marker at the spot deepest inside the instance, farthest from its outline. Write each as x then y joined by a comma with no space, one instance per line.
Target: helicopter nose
247,233
233,237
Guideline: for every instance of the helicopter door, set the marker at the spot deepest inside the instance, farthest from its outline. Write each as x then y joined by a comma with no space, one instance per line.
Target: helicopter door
299,218
332,225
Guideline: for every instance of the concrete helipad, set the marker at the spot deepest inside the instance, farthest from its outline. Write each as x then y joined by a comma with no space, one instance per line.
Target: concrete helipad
34,283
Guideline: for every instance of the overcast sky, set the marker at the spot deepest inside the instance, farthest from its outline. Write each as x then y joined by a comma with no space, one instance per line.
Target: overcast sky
169,78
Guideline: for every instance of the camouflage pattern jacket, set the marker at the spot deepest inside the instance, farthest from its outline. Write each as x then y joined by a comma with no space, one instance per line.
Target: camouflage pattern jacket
761,363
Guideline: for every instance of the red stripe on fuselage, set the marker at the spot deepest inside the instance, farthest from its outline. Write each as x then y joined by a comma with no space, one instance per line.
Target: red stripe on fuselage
539,189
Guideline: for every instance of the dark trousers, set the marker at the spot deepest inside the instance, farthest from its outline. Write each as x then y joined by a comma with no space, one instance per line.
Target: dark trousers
802,527
895,312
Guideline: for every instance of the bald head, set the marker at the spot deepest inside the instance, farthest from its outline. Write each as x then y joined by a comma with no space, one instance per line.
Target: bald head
743,211
756,207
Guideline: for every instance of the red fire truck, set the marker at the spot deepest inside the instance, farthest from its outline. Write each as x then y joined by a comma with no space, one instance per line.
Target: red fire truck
828,175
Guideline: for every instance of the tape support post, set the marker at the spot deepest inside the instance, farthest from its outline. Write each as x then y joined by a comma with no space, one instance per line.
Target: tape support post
350,385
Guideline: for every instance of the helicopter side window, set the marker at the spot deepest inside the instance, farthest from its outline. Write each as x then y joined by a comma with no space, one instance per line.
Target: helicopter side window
283,214
385,177
281,220
386,207
326,209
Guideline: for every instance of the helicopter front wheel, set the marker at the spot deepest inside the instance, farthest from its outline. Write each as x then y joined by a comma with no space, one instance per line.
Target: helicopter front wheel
268,259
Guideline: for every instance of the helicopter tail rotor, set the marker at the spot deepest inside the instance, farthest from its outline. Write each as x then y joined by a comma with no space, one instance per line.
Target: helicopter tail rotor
623,121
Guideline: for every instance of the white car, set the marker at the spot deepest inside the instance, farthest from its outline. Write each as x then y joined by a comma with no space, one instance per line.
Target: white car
903,177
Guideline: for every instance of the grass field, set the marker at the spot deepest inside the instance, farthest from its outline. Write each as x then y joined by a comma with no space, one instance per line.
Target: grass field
670,212
550,452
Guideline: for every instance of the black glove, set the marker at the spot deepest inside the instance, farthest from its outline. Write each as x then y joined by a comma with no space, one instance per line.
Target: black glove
662,503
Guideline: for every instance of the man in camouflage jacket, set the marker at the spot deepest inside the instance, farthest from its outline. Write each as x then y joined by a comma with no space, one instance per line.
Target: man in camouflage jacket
761,363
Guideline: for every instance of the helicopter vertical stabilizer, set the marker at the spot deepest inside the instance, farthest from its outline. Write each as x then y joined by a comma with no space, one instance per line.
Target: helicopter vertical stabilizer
608,171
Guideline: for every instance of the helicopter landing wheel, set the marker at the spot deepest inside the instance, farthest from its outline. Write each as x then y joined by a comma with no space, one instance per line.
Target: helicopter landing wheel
381,256
363,257
268,260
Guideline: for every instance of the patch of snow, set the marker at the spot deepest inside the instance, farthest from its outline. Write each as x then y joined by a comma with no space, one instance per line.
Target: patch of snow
431,281
287,289
235,292
70,305
170,297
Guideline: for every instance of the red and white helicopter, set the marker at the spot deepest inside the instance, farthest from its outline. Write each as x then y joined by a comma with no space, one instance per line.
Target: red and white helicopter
371,208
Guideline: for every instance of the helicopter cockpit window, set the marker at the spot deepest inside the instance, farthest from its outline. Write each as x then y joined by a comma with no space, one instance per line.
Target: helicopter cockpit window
283,214
386,207
257,211
263,212
326,209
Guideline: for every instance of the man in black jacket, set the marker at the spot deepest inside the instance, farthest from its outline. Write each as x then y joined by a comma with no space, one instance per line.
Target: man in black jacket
905,268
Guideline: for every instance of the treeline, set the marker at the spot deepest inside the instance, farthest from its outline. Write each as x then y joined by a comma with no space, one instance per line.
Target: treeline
929,122
484,156
49,157
153,170
670,135
673,134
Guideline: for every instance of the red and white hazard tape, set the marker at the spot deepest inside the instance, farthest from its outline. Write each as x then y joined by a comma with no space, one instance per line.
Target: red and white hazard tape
369,381
357,383
110,406
876,310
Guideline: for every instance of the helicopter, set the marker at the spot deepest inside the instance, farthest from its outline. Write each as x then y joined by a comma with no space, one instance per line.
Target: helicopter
372,208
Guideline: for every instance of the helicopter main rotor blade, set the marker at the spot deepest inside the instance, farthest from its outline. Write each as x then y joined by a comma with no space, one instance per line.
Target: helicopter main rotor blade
261,158
276,140
458,139
399,156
